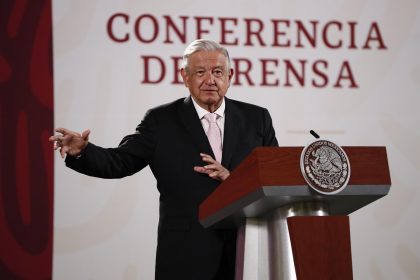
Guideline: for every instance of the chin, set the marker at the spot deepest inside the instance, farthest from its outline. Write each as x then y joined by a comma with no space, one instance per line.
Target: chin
211,101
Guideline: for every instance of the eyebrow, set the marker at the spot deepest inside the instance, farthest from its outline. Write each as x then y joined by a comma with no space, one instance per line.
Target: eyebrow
203,67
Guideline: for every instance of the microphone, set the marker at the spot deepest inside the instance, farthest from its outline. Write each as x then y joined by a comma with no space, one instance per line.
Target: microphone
314,134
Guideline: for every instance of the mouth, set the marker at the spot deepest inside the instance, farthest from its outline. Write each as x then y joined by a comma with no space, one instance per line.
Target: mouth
209,90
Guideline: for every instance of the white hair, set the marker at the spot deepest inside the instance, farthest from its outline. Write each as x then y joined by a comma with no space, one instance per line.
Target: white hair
203,45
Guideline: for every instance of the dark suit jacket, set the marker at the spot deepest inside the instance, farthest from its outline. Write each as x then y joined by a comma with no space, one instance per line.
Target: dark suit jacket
170,139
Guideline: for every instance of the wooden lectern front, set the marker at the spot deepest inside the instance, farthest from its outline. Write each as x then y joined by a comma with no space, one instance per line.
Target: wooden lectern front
286,230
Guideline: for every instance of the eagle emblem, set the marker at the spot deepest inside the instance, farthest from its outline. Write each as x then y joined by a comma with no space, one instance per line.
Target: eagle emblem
325,167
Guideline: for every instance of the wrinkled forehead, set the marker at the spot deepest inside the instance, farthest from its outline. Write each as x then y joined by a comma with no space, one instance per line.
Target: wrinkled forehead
207,59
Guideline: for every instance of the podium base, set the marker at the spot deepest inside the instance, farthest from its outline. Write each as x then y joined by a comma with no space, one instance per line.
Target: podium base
264,249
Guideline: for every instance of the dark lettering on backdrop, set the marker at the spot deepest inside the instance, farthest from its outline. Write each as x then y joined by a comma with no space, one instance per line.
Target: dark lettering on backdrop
277,34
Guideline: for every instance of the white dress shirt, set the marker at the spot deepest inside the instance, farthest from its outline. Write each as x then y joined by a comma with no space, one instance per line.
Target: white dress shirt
220,112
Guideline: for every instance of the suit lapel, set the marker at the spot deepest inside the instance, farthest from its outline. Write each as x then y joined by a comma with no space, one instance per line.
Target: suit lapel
230,137
194,127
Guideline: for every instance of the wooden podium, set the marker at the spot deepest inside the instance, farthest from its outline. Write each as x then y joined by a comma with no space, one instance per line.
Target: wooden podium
286,230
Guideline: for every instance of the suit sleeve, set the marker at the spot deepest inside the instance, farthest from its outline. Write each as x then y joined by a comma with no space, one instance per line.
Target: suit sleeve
133,153
269,134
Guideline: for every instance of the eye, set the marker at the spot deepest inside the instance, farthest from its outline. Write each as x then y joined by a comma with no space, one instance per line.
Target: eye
218,73
199,73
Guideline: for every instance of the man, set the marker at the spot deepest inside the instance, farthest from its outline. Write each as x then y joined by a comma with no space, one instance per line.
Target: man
191,145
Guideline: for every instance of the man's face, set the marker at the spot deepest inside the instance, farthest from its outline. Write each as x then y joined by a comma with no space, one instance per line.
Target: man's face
207,78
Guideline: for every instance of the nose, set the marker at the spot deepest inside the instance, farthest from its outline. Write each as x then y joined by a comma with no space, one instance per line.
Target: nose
209,78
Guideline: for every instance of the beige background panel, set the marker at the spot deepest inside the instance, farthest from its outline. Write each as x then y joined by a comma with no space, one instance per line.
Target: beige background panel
106,229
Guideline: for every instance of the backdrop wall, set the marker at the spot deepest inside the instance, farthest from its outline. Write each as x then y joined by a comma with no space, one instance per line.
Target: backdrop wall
26,157
348,69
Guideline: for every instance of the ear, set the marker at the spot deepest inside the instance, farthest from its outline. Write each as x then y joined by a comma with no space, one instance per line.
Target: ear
185,77
231,72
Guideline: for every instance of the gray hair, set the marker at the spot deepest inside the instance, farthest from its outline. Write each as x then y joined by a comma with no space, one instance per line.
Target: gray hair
203,45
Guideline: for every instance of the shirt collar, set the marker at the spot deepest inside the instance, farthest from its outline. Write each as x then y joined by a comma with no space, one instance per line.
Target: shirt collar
201,111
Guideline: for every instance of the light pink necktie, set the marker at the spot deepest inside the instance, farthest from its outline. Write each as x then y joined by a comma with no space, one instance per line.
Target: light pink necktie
214,136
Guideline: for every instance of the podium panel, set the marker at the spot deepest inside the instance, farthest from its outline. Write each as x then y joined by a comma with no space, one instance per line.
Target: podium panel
321,247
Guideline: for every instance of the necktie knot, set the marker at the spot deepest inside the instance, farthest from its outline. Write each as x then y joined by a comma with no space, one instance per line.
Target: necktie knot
211,117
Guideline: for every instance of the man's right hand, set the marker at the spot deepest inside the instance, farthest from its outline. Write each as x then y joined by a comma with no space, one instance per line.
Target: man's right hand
70,142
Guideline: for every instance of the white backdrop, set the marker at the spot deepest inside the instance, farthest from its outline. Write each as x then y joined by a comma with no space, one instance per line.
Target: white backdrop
106,229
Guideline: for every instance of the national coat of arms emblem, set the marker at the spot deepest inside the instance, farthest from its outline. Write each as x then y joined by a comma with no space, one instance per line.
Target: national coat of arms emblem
325,166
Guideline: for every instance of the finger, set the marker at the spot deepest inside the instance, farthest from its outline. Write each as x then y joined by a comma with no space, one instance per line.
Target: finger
207,158
214,174
213,166
205,155
85,134
61,130
62,153
65,131
56,145
66,149
54,138
58,137
201,169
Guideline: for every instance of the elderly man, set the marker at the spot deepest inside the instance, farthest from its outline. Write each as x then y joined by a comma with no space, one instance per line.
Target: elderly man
190,145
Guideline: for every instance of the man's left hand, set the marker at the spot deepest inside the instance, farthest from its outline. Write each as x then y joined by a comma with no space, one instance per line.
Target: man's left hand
214,169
